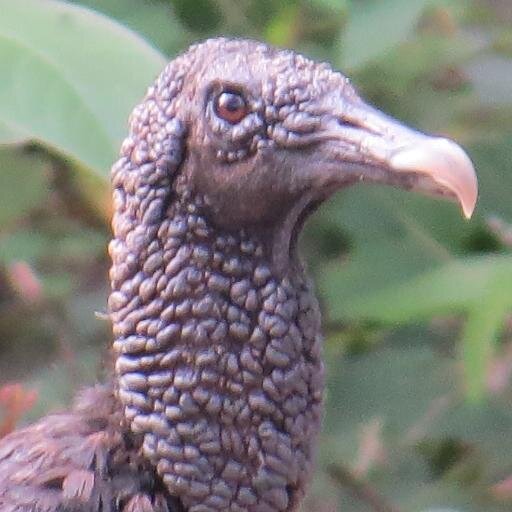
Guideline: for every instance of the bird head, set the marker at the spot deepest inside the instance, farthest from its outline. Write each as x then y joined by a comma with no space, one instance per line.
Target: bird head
262,136
268,129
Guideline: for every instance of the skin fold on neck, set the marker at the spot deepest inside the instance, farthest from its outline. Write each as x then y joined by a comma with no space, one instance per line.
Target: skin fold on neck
219,365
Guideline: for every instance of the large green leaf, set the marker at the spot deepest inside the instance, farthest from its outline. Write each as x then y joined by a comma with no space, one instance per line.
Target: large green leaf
486,319
479,287
393,236
456,287
375,27
70,78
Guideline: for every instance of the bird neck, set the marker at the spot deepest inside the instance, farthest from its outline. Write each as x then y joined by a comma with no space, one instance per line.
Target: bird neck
218,362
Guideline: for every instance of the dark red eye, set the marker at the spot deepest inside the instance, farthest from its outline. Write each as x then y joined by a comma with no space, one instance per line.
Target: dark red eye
231,107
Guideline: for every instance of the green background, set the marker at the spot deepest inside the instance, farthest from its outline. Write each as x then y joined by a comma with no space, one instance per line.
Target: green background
416,300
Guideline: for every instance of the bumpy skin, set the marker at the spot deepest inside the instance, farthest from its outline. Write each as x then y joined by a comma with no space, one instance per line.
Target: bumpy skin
218,352
219,366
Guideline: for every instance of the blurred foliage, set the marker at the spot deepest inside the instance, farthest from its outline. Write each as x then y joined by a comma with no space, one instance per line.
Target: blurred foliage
416,301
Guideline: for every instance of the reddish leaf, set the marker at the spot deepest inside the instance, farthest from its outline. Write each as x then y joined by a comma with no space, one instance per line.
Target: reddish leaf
25,282
15,401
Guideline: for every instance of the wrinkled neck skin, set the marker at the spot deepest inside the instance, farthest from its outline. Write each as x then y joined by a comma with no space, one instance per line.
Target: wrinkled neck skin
218,359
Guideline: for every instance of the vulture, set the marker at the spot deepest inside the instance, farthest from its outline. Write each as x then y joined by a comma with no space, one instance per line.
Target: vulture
215,399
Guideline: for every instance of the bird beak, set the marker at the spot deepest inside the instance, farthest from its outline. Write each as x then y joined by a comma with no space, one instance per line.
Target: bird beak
380,149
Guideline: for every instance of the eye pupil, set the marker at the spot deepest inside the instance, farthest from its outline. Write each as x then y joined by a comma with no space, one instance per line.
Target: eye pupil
231,102
231,107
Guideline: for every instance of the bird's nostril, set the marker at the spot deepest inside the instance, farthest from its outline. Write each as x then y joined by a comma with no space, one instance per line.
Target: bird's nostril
347,123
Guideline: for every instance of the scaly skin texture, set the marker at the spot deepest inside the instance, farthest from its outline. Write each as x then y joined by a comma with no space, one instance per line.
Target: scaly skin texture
219,366
218,353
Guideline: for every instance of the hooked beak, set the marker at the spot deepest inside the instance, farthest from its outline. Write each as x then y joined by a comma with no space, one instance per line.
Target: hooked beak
377,148
444,165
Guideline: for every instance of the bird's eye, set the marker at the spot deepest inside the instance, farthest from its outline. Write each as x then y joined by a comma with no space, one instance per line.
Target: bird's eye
231,107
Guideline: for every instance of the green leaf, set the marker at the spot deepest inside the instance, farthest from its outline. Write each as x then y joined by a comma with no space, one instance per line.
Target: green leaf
454,287
395,384
478,286
70,78
374,27
492,161
202,16
155,21
486,319
392,237
412,392
27,246
280,31
11,135
443,510
22,184
336,6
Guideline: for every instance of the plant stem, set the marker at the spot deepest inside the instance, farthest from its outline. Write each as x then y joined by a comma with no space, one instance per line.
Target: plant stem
360,489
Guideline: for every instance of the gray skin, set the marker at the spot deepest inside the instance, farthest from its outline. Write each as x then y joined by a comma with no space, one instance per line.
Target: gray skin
217,398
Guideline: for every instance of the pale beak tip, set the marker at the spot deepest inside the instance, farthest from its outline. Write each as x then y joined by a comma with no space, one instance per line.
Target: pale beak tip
446,165
468,208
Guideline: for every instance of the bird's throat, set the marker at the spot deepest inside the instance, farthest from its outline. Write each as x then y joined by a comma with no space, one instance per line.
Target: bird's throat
218,358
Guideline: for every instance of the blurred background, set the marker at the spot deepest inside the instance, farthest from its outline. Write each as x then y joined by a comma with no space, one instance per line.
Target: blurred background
417,302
